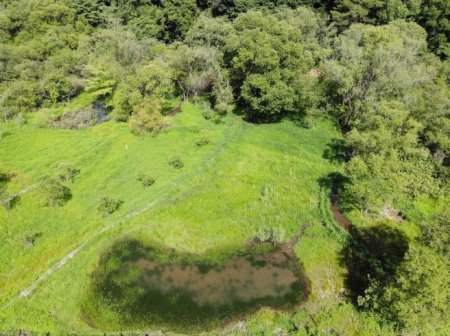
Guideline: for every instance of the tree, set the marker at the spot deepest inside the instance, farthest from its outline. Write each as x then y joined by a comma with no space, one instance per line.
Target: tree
416,298
154,79
436,233
268,96
348,12
434,16
374,82
375,63
146,118
209,32
233,8
266,58
93,11
178,17
419,298
196,69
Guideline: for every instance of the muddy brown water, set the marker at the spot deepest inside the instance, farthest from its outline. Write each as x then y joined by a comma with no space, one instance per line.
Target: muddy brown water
242,278
150,286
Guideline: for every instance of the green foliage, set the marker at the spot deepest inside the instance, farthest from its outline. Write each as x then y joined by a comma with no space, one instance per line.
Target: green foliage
417,295
209,32
373,77
197,70
232,8
419,298
67,172
272,235
365,62
202,141
178,17
4,178
176,162
108,206
268,61
434,16
147,180
436,234
146,118
93,11
389,162
56,193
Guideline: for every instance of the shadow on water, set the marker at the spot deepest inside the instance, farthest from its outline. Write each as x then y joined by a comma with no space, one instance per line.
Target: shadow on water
151,286
374,253
101,110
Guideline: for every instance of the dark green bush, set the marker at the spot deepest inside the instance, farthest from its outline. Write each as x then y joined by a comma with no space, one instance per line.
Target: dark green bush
56,193
202,141
146,180
108,206
67,172
176,162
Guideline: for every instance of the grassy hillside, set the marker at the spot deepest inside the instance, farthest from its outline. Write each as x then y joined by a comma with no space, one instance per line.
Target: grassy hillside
247,176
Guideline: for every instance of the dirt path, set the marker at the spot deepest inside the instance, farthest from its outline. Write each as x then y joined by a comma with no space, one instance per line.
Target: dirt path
162,200
18,194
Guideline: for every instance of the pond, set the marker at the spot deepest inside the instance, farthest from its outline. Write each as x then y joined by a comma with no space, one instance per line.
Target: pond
154,287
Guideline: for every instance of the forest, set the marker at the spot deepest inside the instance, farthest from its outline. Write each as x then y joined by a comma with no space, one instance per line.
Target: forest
134,126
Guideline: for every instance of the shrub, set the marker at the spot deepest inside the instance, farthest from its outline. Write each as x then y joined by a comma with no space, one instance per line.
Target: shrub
74,119
207,111
146,180
108,206
56,193
67,172
30,238
202,141
176,162
273,235
146,119
4,178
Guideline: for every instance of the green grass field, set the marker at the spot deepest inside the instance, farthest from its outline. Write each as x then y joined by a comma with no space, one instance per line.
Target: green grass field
248,176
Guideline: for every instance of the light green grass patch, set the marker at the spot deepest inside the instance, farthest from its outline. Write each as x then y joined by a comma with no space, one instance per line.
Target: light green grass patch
248,176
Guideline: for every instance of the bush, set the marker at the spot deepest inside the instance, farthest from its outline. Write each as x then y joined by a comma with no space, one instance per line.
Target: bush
176,162
202,141
108,206
75,119
146,119
56,193
146,180
4,178
207,111
273,235
67,172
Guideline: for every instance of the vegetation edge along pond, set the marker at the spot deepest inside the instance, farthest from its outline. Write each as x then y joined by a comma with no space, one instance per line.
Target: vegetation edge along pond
138,285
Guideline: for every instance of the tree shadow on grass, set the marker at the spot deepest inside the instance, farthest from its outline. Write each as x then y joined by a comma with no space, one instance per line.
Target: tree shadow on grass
337,151
6,200
334,181
373,253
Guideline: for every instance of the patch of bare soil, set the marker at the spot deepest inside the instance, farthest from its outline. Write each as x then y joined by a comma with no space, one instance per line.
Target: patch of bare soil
392,214
175,111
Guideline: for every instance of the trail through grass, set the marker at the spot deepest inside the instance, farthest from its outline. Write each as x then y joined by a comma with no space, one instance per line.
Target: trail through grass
248,176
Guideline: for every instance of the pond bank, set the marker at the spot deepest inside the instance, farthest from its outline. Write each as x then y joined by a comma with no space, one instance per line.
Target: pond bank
153,287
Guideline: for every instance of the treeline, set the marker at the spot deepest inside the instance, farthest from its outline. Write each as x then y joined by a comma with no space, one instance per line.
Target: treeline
379,68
